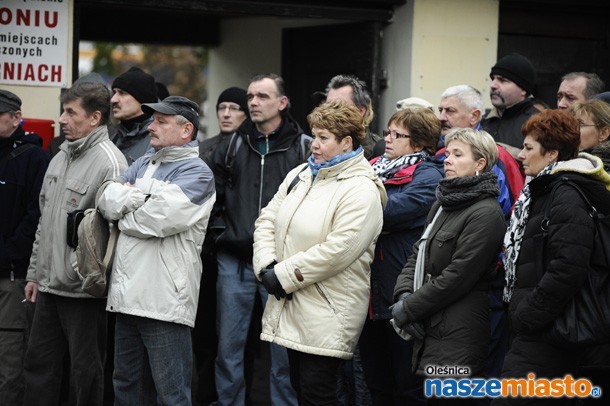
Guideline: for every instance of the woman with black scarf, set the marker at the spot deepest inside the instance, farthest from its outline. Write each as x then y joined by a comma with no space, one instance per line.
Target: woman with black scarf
441,293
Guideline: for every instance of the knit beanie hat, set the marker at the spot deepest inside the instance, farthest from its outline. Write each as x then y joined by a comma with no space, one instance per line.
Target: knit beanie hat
137,83
518,69
235,95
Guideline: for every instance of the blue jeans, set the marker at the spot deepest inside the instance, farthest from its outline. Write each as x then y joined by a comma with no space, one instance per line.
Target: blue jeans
236,289
152,362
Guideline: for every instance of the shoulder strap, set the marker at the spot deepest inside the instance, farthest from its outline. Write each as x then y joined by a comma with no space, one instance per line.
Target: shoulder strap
16,152
547,209
112,240
234,144
295,181
544,225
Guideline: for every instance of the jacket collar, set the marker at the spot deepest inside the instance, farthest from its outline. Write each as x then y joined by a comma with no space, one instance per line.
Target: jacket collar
355,166
585,164
78,147
176,153
286,132
512,111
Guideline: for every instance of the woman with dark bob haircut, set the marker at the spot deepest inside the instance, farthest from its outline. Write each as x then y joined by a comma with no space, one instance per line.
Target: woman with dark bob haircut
545,271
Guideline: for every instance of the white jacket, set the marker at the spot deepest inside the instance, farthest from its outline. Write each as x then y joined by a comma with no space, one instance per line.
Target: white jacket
163,203
323,237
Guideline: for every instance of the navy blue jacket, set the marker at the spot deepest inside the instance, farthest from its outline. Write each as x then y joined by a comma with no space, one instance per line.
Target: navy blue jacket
404,218
20,182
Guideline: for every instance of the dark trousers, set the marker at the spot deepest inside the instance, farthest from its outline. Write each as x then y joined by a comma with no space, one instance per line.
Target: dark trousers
205,339
15,320
386,359
314,378
498,345
60,324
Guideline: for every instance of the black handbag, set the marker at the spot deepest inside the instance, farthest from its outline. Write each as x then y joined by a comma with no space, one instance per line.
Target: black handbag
73,221
586,318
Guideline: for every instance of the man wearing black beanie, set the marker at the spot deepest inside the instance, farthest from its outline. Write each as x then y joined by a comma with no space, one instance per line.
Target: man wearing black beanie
132,89
231,110
512,83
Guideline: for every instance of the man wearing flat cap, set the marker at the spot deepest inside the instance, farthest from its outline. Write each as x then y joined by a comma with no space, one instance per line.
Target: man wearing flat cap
162,204
22,167
512,83
132,89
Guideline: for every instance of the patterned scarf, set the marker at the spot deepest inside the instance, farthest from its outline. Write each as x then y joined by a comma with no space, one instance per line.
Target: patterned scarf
514,234
386,168
337,159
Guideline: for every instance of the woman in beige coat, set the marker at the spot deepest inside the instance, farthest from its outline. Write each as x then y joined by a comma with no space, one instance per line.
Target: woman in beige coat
313,247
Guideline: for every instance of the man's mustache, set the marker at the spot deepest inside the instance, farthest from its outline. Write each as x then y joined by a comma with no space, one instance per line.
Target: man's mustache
494,93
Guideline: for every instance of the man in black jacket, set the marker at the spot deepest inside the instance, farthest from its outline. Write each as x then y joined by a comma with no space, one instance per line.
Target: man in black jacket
231,110
132,89
512,82
249,167
22,167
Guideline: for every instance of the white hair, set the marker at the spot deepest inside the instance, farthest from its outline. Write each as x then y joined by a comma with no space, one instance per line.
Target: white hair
467,95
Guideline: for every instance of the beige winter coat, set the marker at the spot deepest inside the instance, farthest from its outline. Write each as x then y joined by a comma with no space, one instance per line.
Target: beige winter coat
323,237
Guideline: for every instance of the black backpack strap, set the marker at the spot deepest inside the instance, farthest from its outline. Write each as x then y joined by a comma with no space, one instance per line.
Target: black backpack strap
294,181
234,144
16,152
544,225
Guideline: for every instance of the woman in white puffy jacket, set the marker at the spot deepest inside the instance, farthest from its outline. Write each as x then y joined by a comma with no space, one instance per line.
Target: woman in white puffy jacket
313,247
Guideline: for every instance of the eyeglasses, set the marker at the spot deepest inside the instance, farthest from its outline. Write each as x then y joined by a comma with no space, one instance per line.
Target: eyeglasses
232,109
394,134
586,125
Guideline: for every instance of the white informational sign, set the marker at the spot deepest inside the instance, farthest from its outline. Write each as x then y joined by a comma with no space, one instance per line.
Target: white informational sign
34,42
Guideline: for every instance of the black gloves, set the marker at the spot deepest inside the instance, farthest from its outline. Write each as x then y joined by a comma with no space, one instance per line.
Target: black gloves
271,282
401,320
399,311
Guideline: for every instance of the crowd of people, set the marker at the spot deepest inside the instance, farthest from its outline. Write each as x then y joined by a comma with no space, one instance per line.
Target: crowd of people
455,240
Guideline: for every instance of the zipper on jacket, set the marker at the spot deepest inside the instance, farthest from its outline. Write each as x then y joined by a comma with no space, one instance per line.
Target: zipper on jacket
262,178
260,187
332,308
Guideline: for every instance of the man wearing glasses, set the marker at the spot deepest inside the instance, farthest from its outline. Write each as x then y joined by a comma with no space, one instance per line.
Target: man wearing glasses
231,110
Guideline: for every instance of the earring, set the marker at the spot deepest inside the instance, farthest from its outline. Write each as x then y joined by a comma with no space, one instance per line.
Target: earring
476,173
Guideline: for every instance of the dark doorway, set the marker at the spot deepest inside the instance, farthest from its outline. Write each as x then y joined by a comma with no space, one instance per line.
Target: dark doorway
312,56
559,37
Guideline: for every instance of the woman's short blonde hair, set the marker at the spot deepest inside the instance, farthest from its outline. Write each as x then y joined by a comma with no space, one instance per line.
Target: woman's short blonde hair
340,118
598,111
481,143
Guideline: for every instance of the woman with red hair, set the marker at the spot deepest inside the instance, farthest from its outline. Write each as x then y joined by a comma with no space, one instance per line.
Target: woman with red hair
547,259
